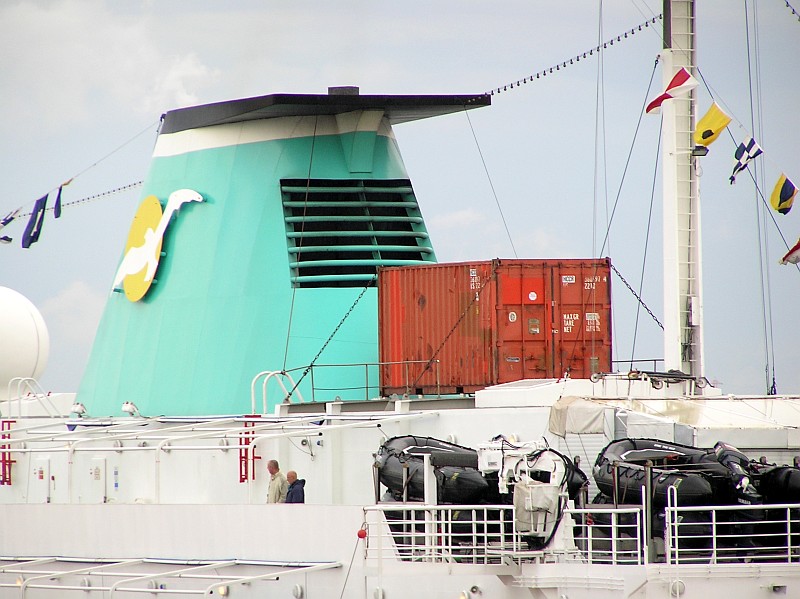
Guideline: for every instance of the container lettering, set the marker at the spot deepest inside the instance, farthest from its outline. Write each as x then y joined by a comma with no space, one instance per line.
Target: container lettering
569,321
592,322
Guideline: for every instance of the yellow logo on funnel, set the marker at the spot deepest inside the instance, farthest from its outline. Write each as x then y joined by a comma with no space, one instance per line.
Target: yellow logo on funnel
137,270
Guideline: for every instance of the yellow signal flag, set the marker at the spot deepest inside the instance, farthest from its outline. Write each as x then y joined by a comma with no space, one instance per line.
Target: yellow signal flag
783,195
710,126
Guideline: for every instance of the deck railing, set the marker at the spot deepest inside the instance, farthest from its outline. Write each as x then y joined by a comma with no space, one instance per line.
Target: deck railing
733,533
368,389
472,534
609,535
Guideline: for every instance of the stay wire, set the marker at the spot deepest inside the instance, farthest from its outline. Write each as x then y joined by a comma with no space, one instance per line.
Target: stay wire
347,576
597,122
791,8
491,184
115,150
769,324
577,57
753,80
96,196
646,246
599,148
636,295
628,159
299,254
590,283
617,200
330,337
94,164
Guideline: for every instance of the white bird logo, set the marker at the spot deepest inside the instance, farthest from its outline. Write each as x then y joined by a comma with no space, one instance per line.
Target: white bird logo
145,256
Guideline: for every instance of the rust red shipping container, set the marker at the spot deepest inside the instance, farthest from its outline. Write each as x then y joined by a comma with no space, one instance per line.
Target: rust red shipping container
456,328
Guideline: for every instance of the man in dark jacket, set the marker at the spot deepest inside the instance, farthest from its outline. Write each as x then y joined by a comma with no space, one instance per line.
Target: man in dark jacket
296,493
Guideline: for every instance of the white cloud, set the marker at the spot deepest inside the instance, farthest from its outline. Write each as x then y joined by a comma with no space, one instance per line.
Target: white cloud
74,313
71,316
177,84
457,219
90,60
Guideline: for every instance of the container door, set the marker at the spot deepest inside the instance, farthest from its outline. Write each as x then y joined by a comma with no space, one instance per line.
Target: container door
582,299
435,328
523,330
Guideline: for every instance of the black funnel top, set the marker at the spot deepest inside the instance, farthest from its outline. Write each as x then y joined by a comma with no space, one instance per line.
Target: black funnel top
398,109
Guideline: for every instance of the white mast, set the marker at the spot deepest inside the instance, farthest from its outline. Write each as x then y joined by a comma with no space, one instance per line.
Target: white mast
683,303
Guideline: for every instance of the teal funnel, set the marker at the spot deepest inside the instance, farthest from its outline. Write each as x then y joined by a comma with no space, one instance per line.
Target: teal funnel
270,265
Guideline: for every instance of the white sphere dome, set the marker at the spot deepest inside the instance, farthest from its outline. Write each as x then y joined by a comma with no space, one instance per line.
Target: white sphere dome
24,341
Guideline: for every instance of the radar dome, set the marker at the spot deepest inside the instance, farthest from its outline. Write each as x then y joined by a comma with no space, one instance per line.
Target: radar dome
24,342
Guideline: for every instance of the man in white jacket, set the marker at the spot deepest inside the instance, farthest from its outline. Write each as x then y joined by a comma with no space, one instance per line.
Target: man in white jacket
278,486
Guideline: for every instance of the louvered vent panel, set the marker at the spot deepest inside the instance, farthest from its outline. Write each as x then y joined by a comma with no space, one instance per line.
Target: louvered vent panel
340,231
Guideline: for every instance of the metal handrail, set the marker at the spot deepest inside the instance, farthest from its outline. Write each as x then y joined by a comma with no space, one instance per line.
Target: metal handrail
162,446
52,576
732,533
161,434
273,576
439,533
405,363
610,548
38,394
268,374
118,585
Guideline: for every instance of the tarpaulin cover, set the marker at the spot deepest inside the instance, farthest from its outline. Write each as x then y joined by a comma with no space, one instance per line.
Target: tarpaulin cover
576,415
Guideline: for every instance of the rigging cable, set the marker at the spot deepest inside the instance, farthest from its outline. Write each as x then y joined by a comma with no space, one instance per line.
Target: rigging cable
628,159
577,58
491,184
299,255
754,79
619,192
771,385
115,150
638,297
330,337
646,245
791,8
599,134
786,244
599,141
102,194
91,166
352,559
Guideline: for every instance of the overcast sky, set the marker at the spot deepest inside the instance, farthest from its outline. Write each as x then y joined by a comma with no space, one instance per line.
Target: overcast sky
85,81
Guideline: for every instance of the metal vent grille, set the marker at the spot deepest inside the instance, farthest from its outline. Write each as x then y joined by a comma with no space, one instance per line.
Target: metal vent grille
340,231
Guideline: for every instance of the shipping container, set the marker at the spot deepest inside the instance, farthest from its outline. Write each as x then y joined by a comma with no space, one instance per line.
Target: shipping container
457,328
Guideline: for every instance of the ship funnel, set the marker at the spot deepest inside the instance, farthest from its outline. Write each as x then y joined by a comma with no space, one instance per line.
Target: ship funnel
296,201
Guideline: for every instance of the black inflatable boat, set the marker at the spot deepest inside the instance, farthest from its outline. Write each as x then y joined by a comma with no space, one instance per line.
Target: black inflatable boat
718,476
458,480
